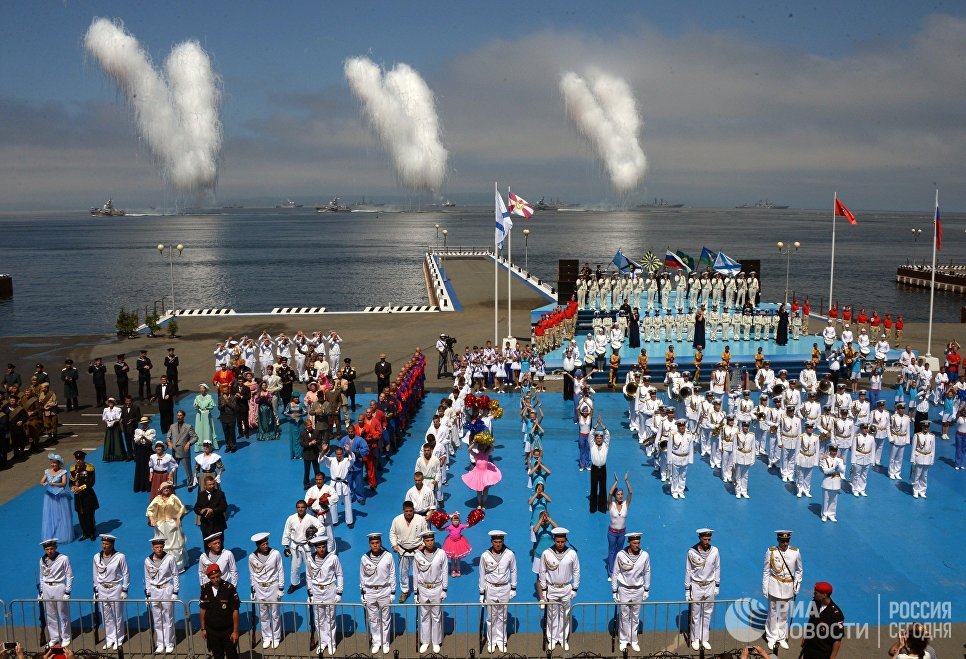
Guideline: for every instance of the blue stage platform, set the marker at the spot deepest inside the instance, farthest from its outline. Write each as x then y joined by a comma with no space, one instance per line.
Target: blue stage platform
864,559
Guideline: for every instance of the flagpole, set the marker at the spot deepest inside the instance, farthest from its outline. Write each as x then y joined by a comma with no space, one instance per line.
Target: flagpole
496,280
831,277
509,277
932,287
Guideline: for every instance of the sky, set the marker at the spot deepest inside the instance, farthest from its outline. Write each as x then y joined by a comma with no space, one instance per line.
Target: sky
739,101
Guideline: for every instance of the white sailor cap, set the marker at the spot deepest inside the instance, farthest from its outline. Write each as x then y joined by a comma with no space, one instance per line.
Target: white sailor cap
496,533
704,532
49,542
319,539
809,424
783,533
207,441
559,530
428,532
259,537
681,422
158,540
218,535
635,535
373,535
108,537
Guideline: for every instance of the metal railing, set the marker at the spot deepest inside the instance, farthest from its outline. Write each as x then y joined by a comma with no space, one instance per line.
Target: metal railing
663,628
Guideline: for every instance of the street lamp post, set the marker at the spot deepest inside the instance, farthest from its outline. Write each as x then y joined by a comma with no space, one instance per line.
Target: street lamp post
787,251
171,248
526,251
437,236
441,266
915,242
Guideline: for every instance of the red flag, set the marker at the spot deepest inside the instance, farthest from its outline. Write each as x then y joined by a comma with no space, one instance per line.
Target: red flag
939,229
842,211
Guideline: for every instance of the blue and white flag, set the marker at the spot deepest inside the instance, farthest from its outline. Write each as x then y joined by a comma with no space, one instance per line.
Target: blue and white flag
726,265
503,221
623,263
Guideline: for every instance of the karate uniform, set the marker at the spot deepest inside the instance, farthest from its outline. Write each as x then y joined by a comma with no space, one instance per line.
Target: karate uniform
923,456
780,581
702,579
56,582
559,578
111,582
324,582
431,578
161,582
630,585
498,585
268,585
293,539
329,514
377,581
834,470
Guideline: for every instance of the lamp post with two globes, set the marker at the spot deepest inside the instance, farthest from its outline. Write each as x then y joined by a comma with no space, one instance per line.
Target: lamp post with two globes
787,251
171,249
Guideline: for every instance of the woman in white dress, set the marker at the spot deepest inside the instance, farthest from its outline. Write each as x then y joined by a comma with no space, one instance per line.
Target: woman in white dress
164,514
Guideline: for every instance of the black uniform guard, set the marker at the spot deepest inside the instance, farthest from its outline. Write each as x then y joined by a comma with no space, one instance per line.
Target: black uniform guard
219,615
85,500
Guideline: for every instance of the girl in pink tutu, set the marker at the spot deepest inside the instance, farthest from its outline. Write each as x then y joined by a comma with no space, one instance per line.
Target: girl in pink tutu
484,473
455,545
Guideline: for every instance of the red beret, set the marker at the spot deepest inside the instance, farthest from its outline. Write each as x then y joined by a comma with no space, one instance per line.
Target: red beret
214,568
823,587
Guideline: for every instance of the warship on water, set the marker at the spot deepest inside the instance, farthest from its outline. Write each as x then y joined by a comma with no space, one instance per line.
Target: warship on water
660,203
334,206
288,203
763,203
107,210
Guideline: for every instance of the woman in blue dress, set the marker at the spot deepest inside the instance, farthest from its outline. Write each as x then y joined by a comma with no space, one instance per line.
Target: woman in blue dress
204,424
57,521
267,421
541,531
294,422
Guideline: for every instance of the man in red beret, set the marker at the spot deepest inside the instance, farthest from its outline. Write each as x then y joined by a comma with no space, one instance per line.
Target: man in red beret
219,615
825,627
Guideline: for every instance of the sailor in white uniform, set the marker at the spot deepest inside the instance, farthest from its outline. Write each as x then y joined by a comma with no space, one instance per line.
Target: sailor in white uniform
899,438
559,578
843,432
879,429
630,585
790,429
702,581
680,455
111,582
863,454
923,456
268,586
377,581
56,582
780,581
215,554
324,582
834,469
161,582
498,585
744,458
805,460
431,580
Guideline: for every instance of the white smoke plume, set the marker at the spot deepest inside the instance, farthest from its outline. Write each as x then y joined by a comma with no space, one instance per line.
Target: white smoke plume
177,112
605,113
402,110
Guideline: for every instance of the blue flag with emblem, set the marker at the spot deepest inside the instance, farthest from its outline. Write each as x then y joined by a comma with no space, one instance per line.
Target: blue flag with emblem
623,263
707,257
726,265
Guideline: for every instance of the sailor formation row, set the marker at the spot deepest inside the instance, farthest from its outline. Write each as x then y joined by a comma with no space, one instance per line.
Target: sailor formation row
559,577
663,289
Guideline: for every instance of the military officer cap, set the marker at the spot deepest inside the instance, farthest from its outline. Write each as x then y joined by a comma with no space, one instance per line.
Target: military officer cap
841,386
783,534
881,402
258,537
862,392
746,392
559,530
79,455
218,535
319,539
635,535
704,533
833,448
900,404
50,542
373,535
709,394
826,407
496,533
811,394
809,424
731,417
652,392
158,540
863,425
745,423
925,424
789,407
108,537
682,422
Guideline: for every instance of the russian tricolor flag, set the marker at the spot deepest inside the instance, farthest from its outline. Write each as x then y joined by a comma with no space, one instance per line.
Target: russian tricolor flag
939,228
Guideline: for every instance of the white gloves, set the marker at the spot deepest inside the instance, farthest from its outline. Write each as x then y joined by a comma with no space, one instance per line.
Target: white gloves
280,593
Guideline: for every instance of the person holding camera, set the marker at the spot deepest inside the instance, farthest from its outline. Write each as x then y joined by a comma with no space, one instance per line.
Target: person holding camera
442,347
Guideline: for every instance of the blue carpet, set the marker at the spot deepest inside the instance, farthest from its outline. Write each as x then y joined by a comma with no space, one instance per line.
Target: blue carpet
887,545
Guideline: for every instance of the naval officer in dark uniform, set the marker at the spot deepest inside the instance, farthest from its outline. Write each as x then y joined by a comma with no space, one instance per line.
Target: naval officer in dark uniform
82,479
348,373
219,615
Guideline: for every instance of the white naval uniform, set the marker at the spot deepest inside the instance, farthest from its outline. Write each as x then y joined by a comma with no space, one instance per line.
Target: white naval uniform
702,578
327,515
161,582
56,581
559,578
225,562
339,478
377,581
879,427
843,430
834,470
268,584
498,585
899,438
805,461
790,429
431,579
780,581
680,452
293,539
630,585
923,455
717,419
111,582
862,457
727,443
324,582
744,458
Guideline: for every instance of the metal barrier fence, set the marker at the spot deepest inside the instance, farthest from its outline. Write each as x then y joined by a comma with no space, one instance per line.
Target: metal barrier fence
663,629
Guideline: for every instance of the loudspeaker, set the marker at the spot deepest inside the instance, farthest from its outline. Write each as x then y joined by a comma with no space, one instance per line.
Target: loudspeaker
564,291
567,272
